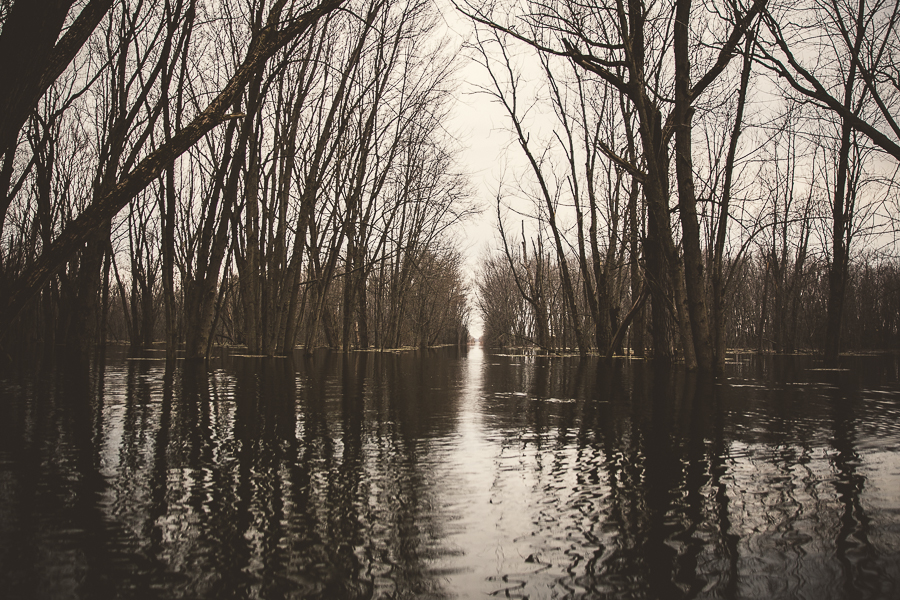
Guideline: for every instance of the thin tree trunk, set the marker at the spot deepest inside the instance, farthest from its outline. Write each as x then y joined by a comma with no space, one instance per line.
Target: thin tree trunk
763,310
718,268
167,222
637,284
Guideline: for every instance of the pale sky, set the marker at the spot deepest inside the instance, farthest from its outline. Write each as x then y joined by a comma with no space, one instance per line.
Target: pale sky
491,156
482,128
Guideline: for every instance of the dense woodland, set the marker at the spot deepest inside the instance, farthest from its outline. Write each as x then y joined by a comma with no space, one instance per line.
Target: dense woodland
276,173
714,175
259,172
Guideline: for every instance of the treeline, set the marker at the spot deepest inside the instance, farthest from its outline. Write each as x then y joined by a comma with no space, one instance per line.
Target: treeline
261,172
770,310
696,175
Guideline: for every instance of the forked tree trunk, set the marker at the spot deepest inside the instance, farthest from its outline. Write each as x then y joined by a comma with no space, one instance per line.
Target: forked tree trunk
694,280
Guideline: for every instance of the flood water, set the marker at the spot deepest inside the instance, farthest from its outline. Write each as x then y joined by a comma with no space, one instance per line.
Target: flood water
440,474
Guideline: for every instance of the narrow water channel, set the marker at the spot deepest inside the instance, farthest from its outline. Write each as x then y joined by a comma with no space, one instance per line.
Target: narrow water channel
447,474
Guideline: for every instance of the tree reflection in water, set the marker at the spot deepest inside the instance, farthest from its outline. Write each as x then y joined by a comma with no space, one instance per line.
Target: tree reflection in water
435,474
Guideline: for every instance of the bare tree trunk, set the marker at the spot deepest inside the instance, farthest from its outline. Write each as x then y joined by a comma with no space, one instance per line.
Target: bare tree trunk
167,222
249,264
763,310
838,269
663,268
348,303
86,310
694,279
104,301
637,284
362,307
719,324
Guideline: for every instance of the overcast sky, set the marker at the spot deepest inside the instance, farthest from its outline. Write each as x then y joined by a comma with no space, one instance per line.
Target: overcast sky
481,127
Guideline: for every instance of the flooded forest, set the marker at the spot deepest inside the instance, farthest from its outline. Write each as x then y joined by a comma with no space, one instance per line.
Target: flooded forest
272,174
257,173
273,326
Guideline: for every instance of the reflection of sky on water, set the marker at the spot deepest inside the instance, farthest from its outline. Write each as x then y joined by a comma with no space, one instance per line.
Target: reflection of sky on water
439,475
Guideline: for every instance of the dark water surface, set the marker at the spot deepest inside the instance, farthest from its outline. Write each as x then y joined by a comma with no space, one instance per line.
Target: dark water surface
445,475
